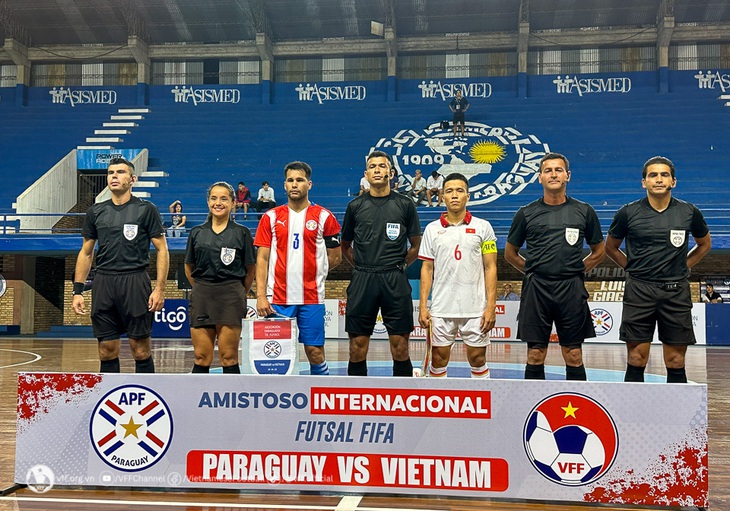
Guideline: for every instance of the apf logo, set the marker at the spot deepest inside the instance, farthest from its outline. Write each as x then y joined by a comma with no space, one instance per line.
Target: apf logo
570,439
175,319
131,428
497,161
602,321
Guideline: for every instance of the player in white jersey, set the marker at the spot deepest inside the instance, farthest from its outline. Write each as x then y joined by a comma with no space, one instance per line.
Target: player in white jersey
459,254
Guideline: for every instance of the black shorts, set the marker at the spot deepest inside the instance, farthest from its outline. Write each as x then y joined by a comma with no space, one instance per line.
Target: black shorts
459,117
564,302
648,304
120,304
219,303
389,290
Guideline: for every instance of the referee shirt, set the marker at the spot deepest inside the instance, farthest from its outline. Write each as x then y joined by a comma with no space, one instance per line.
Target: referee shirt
656,241
379,228
123,233
222,256
555,236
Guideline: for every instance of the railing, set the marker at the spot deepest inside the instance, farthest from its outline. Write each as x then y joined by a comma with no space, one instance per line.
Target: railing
12,224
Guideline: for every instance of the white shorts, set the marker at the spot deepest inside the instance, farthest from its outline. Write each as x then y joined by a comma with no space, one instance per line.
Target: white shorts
444,331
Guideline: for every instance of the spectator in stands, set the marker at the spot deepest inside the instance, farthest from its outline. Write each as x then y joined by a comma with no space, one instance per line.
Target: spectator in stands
364,185
417,190
123,300
711,296
434,186
459,105
243,198
177,228
508,295
266,199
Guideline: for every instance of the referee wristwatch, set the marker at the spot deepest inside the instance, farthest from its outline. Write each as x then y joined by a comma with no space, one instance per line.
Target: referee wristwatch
78,288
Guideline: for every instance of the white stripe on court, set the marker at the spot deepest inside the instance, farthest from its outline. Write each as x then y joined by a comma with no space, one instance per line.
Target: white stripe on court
349,503
36,359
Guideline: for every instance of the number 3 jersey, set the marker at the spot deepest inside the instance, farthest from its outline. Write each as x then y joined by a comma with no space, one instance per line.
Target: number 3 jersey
458,289
298,263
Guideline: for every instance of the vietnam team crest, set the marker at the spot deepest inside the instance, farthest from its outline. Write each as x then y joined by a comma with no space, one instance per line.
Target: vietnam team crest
130,231
572,235
131,428
227,255
498,161
570,439
677,237
392,231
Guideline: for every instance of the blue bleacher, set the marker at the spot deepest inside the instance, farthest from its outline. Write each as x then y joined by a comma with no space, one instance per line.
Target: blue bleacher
606,137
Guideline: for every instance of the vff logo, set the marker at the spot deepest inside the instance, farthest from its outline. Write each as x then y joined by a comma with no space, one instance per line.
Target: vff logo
131,428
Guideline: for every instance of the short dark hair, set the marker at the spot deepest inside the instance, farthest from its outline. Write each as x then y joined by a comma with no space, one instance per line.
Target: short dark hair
122,161
264,183
456,176
555,156
379,154
241,183
710,284
298,165
661,160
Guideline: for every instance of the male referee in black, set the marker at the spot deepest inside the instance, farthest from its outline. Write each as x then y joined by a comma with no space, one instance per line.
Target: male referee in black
657,262
376,232
122,300
553,289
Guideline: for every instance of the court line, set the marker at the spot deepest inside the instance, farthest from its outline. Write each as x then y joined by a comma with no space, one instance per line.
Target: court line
36,359
349,503
127,503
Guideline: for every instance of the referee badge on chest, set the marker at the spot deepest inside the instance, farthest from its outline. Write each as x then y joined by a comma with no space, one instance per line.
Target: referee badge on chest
392,231
572,235
227,255
130,231
677,237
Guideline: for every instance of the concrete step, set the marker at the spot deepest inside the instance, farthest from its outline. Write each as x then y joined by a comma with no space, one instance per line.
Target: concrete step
155,173
134,110
111,140
126,117
95,147
141,195
111,132
146,184
120,124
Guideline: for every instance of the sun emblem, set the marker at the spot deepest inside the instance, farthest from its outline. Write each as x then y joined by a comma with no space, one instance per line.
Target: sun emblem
487,151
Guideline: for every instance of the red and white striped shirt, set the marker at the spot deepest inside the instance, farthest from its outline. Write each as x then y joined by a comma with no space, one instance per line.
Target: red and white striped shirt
298,263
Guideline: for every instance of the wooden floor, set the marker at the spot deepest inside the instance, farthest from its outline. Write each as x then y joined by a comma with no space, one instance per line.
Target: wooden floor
704,364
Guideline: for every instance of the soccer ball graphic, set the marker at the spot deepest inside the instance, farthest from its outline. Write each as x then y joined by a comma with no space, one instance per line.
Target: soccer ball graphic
571,455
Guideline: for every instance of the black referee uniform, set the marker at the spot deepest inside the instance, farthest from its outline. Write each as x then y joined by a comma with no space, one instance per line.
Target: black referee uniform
657,287
219,261
553,289
122,287
379,228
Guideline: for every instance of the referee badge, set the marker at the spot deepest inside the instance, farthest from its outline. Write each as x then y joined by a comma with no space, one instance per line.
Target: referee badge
130,231
571,235
227,255
677,237
392,230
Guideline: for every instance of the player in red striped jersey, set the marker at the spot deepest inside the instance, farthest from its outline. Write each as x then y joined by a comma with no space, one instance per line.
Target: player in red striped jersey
298,243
